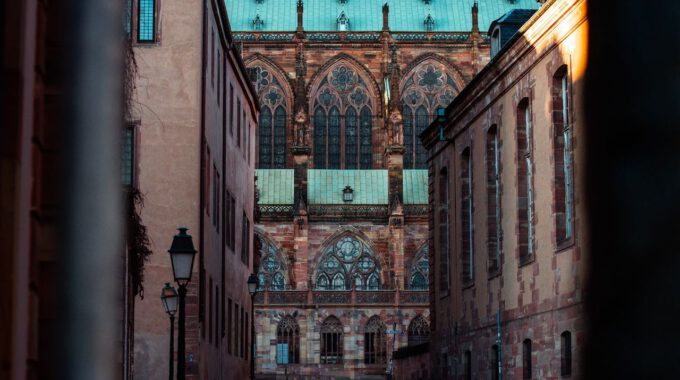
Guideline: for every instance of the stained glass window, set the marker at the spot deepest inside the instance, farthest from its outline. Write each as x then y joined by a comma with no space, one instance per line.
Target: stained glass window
343,100
331,341
265,137
375,344
146,23
419,271
273,117
288,332
427,87
348,261
272,270
418,331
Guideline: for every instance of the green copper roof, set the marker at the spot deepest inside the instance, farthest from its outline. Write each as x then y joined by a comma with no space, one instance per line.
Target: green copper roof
415,187
366,15
325,186
275,186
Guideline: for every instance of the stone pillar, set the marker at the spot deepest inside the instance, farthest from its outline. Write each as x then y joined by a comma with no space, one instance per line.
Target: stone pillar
475,38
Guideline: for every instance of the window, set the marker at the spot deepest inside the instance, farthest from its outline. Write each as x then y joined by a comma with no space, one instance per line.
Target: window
524,182
128,156
493,199
273,118
562,150
526,359
343,121
229,327
288,332
467,362
419,272
231,109
208,163
425,88
232,219
495,362
246,337
375,344
331,341
444,230
219,74
418,331
212,58
238,122
466,206
495,41
146,21
242,333
227,219
217,315
348,262
245,131
210,310
236,330
565,348
272,271
216,198
245,238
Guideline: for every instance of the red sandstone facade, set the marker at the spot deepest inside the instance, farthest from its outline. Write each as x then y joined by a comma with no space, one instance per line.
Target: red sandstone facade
508,234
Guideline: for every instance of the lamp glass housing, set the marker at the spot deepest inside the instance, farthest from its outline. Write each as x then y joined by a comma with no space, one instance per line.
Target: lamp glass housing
169,299
252,284
182,254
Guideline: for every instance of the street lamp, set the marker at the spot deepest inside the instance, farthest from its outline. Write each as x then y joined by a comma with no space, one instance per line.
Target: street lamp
169,300
252,289
182,254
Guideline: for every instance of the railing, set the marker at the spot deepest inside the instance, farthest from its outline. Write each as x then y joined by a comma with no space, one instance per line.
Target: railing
355,36
342,297
367,211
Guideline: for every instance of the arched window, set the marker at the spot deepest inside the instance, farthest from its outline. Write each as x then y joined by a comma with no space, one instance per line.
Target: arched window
418,331
331,341
273,118
525,208
375,344
271,274
288,332
466,205
424,89
343,121
562,150
493,199
348,261
419,271
495,364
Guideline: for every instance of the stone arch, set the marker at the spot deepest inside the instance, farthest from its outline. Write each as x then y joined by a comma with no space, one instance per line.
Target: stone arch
344,58
273,263
264,61
345,110
415,267
458,77
275,124
350,253
418,330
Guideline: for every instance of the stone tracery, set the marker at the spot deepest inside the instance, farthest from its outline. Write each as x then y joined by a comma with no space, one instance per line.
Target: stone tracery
419,271
346,263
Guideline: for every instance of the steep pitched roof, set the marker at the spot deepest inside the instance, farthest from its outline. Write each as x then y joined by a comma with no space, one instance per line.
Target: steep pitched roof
325,186
366,15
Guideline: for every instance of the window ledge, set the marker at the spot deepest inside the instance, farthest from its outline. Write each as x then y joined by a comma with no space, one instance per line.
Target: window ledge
444,294
526,261
468,284
565,244
493,274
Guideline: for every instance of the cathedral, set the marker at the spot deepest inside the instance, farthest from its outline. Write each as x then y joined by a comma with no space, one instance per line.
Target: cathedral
345,88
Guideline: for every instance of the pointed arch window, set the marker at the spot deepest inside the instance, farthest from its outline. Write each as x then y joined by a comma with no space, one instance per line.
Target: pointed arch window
331,341
348,261
424,89
375,344
271,274
343,121
288,332
418,331
273,122
420,269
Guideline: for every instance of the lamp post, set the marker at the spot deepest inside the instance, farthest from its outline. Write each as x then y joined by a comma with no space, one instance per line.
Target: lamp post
169,300
252,289
182,254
